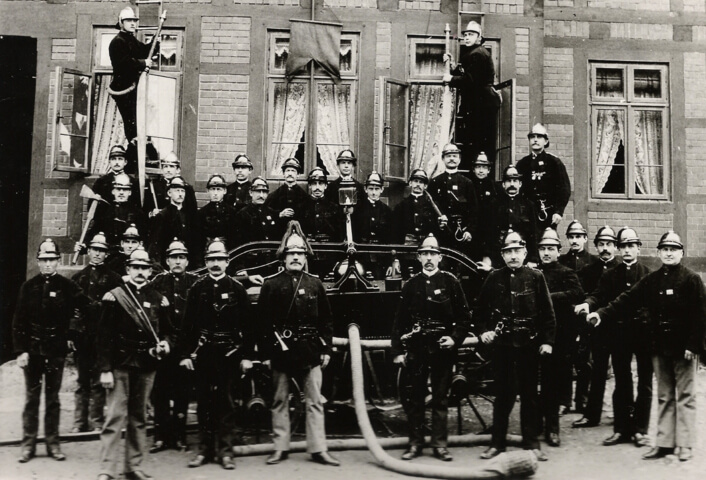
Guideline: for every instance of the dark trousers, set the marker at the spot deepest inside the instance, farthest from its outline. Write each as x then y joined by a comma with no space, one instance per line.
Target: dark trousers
600,354
631,414
127,106
420,365
516,369
478,132
215,376
170,399
89,398
555,376
49,371
583,363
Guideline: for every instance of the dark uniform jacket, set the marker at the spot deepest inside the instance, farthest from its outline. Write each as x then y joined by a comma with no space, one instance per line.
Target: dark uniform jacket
103,186
455,195
321,220
175,288
331,193
372,222
122,342
257,222
95,281
520,296
516,213
286,197
576,261
220,311
218,220
591,274
45,307
291,301
544,178
172,223
127,55
474,77
113,219
675,299
415,216
438,298
238,194
565,291
160,185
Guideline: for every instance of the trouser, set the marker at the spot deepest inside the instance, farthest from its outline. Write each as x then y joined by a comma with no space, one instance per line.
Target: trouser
89,397
315,428
631,414
600,355
127,106
676,395
419,367
516,368
556,375
478,132
127,408
583,363
50,371
215,376
172,384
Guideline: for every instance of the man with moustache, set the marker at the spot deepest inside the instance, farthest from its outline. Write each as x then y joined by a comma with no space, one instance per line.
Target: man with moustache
41,339
625,336
172,384
133,335
372,218
346,162
565,291
486,193
434,303
287,199
578,255
516,316
158,188
217,217
256,221
320,219
217,338
117,160
414,217
545,179
675,300
296,331
96,279
605,241
455,196
238,192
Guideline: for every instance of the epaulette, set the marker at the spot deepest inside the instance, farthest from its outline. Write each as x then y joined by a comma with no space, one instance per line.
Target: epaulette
415,275
449,274
535,268
235,280
274,274
312,275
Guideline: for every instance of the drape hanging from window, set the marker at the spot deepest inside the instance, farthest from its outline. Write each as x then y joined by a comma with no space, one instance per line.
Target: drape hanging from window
610,126
108,123
290,101
648,152
333,114
425,114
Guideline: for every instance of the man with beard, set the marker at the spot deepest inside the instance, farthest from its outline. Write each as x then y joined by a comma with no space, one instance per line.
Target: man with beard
117,160
217,337
40,335
433,306
321,220
486,193
158,188
546,181
624,336
256,221
414,216
590,276
517,317
565,291
172,385
455,196
675,300
372,219
346,162
217,217
133,334
296,332
287,199
96,279
512,211
238,192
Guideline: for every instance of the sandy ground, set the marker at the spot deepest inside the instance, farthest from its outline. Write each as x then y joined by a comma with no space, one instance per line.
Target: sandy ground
581,455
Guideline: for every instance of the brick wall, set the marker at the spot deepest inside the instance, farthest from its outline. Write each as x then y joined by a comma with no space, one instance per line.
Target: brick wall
48,172
641,31
505,7
560,28
222,124
267,2
383,48
698,33
561,144
225,39
352,3
63,49
558,3
654,5
558,81
55,212
522,45
694,84
695,148
649,226
432,5
694,6
696,225
522,121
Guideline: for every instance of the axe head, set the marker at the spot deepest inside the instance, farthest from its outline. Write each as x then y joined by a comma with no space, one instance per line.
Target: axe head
86,192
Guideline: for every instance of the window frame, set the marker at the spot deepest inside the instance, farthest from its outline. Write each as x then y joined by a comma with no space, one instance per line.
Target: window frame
631,104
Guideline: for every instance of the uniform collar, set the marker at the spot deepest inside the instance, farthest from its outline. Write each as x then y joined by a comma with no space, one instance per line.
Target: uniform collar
218,278
430,274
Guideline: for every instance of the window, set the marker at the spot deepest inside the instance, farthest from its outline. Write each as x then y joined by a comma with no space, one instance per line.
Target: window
310,118
71,114
630,131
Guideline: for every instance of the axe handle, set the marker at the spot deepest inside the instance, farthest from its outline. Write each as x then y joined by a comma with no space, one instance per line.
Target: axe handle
89,219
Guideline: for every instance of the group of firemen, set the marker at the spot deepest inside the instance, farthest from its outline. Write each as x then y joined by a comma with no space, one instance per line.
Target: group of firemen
144,328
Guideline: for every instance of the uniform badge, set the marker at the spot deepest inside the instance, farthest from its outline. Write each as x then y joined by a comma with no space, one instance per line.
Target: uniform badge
540,163
454,187
224,296
52,294
147,304
302,291
437,292
670,292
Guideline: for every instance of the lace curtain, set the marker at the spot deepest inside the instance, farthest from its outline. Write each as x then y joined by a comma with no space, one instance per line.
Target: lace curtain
333,115
288,123
648,152
610,132
424,127
108,123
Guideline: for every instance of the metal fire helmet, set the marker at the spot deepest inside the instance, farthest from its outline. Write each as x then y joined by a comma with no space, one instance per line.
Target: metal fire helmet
550,237
177,247
216,248
347,154
670,239
242,160
575,228
511,172
216,181
127,13
177,182
139,257
513,240
419,174
48,250
429,244
482,159
605,234
375,179
117,151
450,148
317,175
171,159
473,26
541,130
99,242
259,183
122,181
627,235
131,232
292,162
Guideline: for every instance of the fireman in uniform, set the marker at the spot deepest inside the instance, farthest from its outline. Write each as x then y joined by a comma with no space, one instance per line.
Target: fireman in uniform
256,221
287,199
346,161
157,189
217,337
455,196
675,299
578,255
217,217
129,241
41,339
238,192
626,336
372,218
598,339
431,322
96,279
133,335
518,319
172,384
565,291
320,219
545,179
415,217
117,161
486,193
296,331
